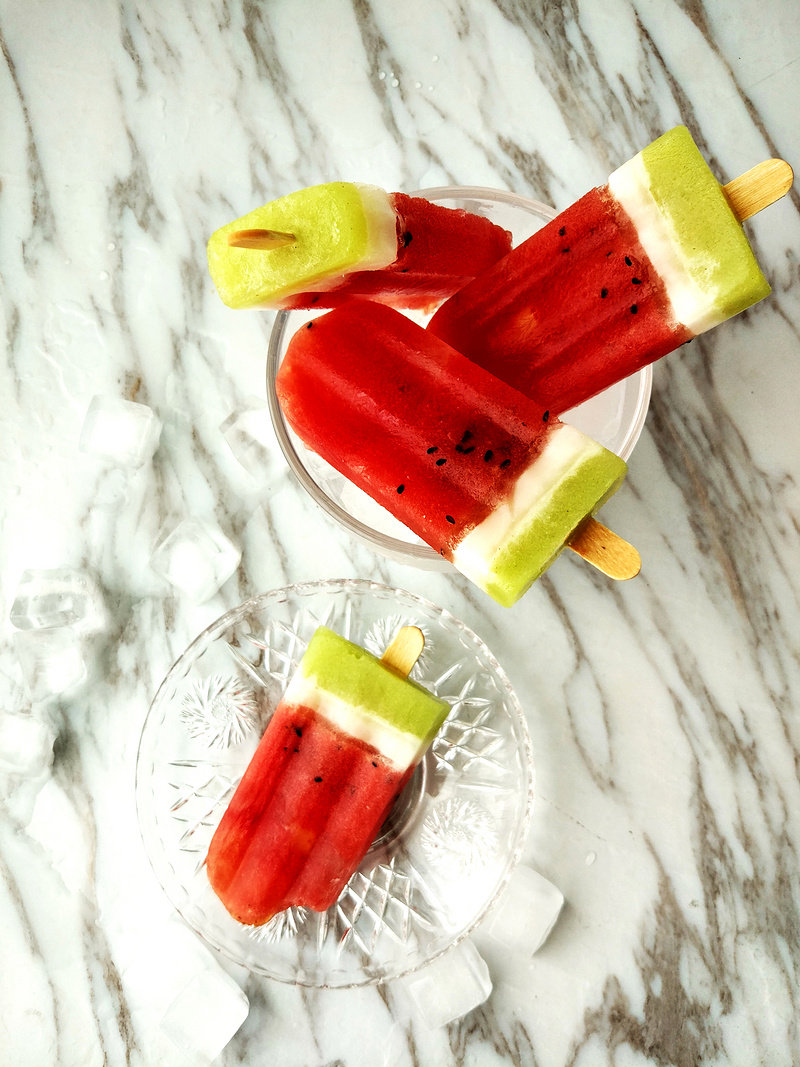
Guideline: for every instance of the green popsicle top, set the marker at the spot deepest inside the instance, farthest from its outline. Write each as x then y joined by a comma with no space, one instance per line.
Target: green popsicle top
707,234
338,227
354,675
572,478
536,544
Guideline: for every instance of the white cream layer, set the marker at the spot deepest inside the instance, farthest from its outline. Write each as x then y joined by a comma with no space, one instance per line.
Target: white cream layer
381,227
531,496
400,748
694,306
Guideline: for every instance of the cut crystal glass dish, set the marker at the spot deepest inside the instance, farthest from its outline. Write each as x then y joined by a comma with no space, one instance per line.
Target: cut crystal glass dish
448,846
614,418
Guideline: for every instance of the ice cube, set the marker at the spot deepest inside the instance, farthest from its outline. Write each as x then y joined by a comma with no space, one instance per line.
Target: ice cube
449,986
176,989
122,431
197,558
526,913
249,436
52,661
26,745
58,597
206,1013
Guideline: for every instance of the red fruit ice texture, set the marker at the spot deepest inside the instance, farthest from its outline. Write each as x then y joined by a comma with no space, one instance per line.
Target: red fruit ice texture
307,809
560,314
439,250
427,433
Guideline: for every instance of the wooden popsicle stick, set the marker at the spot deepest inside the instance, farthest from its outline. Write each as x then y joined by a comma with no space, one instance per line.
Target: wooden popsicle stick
264,240
606,550
759,187
404,650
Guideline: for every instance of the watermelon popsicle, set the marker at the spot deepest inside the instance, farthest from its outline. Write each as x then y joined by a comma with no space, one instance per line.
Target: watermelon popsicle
339,748
481,473
321,245
625,275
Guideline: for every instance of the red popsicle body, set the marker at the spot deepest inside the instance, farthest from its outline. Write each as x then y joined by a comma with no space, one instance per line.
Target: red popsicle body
428,434
304,814
569,311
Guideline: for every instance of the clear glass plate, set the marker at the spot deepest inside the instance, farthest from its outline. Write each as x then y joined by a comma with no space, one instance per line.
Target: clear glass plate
447,848
614,418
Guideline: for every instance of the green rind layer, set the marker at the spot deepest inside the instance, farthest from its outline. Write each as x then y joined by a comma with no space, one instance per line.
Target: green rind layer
709,237
331,232
529,551
354,675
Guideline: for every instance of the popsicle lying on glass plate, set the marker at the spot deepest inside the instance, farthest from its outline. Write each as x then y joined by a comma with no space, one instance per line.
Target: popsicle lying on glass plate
340,746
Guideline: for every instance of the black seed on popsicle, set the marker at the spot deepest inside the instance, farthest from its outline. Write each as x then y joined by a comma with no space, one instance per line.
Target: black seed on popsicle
407,238
432,449
634,309
374,764
298,731
317,779
400,488
487,455
309,325
628,261
450,519
504,464
441,462
565,249
465,451
466,436
603,294
562,231
636,281
546,416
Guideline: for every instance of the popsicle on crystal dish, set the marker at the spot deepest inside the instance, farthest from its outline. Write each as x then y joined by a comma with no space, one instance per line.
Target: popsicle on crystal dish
483,474
341,744
319,246
628,273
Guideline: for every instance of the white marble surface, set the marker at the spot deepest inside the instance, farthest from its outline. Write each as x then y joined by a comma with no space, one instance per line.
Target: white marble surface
663,712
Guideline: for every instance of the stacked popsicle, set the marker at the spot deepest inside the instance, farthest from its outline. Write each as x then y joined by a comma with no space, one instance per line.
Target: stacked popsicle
480,472
625,275
331,242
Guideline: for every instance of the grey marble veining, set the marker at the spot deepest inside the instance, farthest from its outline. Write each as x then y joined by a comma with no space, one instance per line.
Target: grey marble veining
663,712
